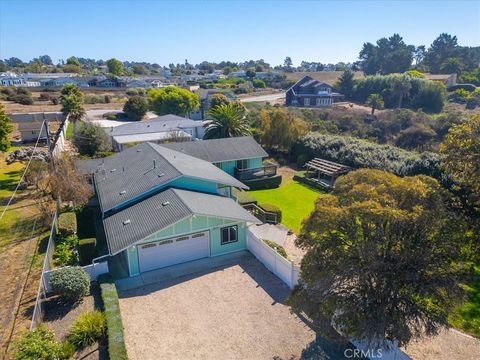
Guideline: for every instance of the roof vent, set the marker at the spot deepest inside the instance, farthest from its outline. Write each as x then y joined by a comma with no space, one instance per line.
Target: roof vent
123,192
126,222
139,150
160,175
113,170
166,203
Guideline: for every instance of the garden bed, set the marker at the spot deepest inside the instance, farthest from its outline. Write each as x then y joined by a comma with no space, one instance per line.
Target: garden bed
60,316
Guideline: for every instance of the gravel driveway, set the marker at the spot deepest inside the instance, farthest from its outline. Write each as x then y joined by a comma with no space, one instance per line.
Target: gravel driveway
235,312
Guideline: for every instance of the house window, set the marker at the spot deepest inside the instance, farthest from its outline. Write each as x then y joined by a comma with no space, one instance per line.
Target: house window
242,164
306,101
319,101
229,235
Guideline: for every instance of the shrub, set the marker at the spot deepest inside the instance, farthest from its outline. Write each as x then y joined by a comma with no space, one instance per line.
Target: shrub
359,153
264,183
94,99
136,107
87,250
116,340
55,100
23,99
273,209
111,116
278,248
39,344
65,253
88,328
107,99
72,283
67,223
259,84
92,140
44,97
302,159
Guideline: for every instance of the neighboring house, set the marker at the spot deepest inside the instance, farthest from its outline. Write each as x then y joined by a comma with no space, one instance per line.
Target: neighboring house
308,92
137,83
269,75
30,124
111,83
12,81
446,79
161,207
157,83
241,157
158,130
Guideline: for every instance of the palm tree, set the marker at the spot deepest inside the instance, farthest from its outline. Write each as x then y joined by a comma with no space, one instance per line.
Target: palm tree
375,101
400,88
72,103
228,121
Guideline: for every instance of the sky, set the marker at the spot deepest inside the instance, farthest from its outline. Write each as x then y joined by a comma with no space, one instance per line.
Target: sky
171,31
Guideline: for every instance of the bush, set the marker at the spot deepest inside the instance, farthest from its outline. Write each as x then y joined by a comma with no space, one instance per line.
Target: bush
92,140
67,224
136,107
264,183
87,250
359,153
116,340
23,99
107,99
273,209
44,97
55,100
65,250
87,329
278,248
94,99
40,344
259,84
72,283
111,116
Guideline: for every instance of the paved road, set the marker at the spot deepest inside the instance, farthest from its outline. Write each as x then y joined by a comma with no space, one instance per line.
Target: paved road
260,98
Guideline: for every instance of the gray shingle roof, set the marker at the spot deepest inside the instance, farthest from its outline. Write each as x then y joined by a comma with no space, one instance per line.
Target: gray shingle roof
126,175
163,123
217,150
138,221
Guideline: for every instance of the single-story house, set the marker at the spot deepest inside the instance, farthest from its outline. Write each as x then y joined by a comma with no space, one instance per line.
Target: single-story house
158,130
162,207
241,157
308,92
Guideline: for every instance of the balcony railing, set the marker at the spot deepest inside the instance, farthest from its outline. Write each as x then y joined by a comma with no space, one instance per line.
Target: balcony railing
262,215
256,173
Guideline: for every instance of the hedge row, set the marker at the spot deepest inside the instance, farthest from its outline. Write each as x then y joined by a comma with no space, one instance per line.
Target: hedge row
264,183
278,248
67,223
116,339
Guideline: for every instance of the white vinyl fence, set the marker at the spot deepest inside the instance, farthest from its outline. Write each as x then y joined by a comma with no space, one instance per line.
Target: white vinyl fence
93,270
60,138
273,261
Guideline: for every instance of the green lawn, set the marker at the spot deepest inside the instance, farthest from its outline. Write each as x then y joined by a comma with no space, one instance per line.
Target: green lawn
467,316
296,201
69,133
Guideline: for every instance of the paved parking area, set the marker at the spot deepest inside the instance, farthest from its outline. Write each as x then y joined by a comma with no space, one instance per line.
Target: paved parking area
236,311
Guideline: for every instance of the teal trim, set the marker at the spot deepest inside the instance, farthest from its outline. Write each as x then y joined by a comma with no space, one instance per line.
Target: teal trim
132,256
193,184
216,248
255,163
227,166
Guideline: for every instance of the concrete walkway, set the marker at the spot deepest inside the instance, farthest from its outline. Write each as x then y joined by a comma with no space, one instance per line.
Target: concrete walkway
175,271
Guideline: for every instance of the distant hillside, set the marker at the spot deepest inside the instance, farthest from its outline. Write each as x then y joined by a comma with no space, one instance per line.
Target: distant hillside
328,77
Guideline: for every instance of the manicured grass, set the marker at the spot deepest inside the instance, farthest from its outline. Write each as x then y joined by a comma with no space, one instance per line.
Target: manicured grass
296,201
467,316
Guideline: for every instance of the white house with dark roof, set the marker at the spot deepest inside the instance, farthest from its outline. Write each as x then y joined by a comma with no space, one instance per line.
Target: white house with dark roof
157,130
160,207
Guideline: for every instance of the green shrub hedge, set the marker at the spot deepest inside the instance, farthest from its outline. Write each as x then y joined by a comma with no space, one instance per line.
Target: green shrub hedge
273,209
264,183
67,223
87,329
87,250
278,248
116,340
41,344
72,283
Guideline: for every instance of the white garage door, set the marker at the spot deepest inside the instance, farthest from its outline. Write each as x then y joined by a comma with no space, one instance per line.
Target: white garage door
173,251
